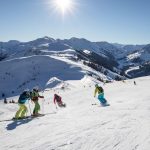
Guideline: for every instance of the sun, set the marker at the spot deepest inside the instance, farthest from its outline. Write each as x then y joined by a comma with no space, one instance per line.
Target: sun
63,6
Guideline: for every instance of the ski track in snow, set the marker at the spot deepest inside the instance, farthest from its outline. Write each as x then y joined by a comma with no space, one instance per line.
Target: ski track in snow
124,125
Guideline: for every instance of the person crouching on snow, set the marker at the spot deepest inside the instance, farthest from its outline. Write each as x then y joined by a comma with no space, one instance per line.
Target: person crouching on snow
100,91
21,102
35,97
58,100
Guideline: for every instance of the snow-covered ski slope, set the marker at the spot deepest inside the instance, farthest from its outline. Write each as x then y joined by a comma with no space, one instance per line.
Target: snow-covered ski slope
25,72
124,125
20,73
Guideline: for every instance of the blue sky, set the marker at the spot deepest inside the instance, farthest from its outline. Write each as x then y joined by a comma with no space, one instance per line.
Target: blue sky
121,21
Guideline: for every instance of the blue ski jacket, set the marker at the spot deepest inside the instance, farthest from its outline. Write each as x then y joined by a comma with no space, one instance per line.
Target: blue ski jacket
23,98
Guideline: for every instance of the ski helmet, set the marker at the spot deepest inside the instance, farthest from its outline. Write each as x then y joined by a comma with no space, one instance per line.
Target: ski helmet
26,90
36,88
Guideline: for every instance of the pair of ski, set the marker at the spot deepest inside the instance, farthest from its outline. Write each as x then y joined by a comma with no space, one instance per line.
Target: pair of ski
29,117
24,118
102,105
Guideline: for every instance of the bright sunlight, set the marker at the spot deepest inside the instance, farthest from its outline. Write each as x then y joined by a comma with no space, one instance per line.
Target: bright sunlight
63,6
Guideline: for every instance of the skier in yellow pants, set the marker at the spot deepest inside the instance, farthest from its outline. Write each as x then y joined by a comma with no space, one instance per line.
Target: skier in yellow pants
23,109
35,97
21,112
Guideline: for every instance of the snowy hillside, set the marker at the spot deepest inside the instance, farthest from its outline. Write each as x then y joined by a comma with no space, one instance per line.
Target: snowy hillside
128,48
101,48
18,74
25,72
139,62
108,55
143,55
124,125
111,49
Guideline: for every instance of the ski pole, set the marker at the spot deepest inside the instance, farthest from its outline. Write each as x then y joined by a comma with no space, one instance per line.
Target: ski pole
29,108
43,105
43,102
56,106
26,112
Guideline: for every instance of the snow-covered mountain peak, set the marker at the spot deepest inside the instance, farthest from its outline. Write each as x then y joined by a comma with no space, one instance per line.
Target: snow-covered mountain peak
13,42
101,53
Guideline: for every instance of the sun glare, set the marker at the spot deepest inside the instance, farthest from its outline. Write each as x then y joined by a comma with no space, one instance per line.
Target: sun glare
63,6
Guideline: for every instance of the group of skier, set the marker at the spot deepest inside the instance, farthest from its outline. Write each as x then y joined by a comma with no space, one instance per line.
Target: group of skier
27,95
34,97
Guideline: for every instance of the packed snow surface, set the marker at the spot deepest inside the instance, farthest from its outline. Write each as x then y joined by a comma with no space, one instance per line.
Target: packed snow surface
124,125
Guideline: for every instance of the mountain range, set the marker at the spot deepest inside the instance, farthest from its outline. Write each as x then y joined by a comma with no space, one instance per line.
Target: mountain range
109,55
23,64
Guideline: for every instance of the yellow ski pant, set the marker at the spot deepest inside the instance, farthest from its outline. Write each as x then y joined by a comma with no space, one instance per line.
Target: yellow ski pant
21,112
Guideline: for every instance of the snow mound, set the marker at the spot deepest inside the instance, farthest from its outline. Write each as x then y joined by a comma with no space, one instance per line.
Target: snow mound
53,82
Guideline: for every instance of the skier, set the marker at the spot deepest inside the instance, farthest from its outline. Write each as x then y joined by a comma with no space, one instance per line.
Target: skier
5,101
35,97
134,83
58,100
100,91
13,101
21,102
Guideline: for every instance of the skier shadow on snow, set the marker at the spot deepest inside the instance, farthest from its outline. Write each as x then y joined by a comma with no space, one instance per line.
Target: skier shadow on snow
13,125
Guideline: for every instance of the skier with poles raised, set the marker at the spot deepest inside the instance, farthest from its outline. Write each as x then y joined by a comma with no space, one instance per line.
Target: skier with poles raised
20,114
